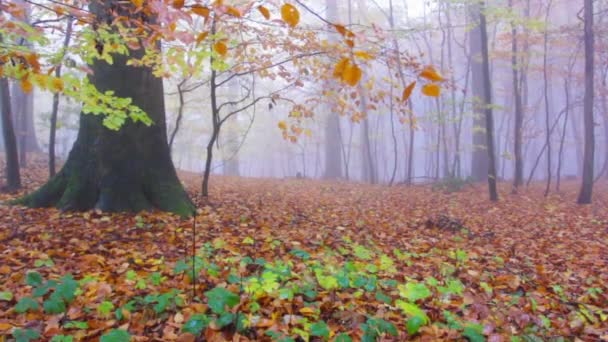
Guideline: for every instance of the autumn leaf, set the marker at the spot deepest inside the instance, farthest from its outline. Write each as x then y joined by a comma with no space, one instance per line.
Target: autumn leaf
363,55
407,92
201,11
233,11
138,3
201,36
339,68
290,15
431,90
282,125
265,12
26,85
56,85
431,74
220,48
352,74
178,4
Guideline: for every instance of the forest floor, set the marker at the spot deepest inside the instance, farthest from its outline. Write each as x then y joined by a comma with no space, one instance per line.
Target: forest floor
289,260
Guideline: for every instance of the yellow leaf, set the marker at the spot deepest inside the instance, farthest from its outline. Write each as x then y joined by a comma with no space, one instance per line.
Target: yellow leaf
308,132
290,15
352,74
138,3
264,12
201,37
233,11
364,55
178,4
220,48
200,10
431,74
26,85
339,69
283,125
56,85
431,89
407,92
307,311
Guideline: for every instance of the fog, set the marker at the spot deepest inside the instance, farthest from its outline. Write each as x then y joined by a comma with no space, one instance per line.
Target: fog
371,142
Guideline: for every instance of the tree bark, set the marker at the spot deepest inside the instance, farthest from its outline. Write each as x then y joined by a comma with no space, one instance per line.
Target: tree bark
55,108
125,170
488,106
586,192
13,177
518,178
479,162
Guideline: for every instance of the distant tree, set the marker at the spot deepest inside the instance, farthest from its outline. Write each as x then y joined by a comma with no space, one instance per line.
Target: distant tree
487,103
586,192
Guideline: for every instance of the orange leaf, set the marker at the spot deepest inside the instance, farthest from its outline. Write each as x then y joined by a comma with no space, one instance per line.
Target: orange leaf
407,92
431,89
56,85
138,3
201,37
200,10
431,74
290,15
233,11
178,4
341,29
350,43
352,74
220,48
26,85
339,69
264,12
364,55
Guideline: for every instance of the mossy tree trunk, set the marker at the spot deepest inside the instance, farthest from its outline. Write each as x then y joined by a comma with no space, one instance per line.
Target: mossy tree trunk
126,170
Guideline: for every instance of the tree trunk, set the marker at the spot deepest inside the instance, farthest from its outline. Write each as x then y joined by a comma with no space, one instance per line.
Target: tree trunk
488,106
479,162
13,178
125,170
55,108
518,178
546,96
586,192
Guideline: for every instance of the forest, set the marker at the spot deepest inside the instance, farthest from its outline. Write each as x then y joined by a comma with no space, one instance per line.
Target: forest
303,170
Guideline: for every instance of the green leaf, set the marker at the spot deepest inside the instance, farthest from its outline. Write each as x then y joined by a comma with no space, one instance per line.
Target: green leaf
343,337
304,255
62,338
474,332
76,325
414,324
362,252
412,310
26,335
44,262
225,319
413,291
381,297
34,279
25,304
6,296
319,329
219,297
116,335
131,275
67,288
248,241
196,324
54,305
105,308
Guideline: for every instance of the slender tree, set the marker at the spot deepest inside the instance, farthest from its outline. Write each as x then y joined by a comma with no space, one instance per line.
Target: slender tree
489,119
586,192
13,177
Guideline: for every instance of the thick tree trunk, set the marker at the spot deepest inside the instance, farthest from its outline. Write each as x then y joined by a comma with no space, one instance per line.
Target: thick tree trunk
586,192
13,178
479,161
488,106
125,170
